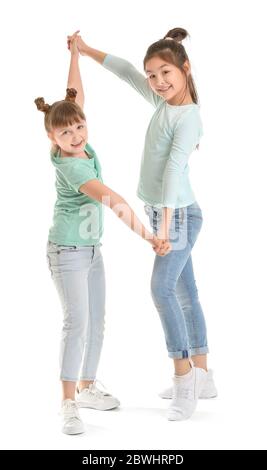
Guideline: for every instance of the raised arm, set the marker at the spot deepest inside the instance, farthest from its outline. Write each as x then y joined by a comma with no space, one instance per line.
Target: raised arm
122,68
129,74
74,78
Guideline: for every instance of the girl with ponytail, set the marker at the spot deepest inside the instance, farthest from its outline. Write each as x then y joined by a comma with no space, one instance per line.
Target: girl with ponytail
73,248
173,134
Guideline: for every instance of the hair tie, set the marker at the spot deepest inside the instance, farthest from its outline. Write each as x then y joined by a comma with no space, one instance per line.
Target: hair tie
41,105
71,94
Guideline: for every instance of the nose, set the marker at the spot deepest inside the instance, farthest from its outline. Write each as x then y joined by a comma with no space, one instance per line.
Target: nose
76,138
161,81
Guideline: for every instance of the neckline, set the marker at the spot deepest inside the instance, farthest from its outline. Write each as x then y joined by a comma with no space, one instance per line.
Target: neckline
89,156
181,105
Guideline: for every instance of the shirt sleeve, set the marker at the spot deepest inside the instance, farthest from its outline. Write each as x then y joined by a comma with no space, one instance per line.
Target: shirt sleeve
127,72
186,137
77,173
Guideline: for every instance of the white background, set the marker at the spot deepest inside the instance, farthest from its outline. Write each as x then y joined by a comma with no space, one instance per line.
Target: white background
228,174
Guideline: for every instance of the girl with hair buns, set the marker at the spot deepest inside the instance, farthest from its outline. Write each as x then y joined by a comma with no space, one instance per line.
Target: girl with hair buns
73,248
173,134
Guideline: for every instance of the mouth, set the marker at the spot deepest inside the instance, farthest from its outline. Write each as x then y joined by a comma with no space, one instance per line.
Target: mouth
77,145
163,90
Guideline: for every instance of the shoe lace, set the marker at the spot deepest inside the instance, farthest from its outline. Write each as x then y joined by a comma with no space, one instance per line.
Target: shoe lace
183,392
70,410
97,392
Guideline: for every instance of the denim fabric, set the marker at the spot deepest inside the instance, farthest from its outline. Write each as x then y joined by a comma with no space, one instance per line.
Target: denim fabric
173,284
78,274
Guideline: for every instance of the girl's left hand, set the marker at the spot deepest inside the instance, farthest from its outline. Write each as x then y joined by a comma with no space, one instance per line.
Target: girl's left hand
162,247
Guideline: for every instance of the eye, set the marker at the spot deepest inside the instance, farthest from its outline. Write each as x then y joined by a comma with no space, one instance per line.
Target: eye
65,132
151,76
80,126
166,71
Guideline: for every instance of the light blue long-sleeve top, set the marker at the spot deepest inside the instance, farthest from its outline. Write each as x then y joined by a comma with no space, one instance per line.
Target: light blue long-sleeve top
172,135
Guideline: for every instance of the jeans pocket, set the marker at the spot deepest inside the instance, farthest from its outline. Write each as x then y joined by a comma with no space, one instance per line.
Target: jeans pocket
53,248
66,248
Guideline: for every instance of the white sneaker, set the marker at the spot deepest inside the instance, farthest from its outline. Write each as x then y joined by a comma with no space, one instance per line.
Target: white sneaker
186,390
93,397
72,423
208,391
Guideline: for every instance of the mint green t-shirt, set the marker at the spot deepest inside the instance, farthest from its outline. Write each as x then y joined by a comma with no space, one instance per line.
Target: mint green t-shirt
78,219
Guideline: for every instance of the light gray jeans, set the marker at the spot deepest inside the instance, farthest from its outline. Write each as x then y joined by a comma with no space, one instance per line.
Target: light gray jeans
79,276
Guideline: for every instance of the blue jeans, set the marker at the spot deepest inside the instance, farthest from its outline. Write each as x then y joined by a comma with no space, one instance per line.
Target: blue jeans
173,285
79,277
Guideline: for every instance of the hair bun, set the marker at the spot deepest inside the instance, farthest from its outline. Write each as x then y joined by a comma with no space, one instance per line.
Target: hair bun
41,105
71,94
178,34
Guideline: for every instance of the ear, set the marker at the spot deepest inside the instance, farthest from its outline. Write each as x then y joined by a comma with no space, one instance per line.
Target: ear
187,67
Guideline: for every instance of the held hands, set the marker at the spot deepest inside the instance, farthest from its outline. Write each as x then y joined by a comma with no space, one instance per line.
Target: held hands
79,43
161,247
73,44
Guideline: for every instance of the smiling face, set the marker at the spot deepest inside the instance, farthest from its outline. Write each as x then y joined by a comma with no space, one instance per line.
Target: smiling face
70,139
168,81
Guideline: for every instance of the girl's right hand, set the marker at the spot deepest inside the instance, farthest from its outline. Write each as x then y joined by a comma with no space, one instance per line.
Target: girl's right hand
161,247
73,47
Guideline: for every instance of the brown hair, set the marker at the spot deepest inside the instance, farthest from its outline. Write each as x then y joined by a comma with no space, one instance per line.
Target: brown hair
61,113
174,53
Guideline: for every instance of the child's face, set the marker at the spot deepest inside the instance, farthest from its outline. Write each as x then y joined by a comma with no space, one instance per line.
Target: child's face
165,79
70,139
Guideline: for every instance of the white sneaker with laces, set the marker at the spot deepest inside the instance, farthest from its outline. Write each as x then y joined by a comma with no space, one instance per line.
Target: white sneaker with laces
72,423
93,397
208,391
186,390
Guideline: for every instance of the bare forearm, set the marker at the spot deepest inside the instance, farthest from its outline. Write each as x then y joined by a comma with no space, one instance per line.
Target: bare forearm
98,56
105,195
75,80
124,212
127,215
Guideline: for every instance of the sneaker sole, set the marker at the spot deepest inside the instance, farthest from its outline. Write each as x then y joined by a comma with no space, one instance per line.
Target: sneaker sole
209,397
72,433
200,397
85,405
